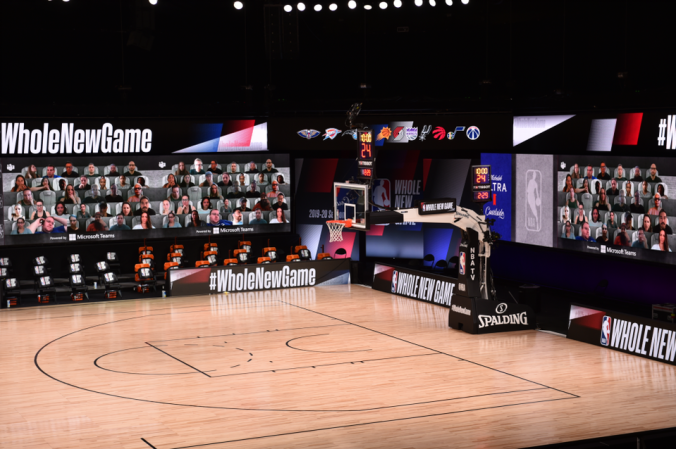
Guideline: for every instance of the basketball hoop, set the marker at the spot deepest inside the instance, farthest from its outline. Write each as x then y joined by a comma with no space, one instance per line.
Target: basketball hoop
336,229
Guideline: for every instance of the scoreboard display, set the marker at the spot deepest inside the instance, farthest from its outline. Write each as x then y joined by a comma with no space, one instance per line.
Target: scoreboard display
366,157
366,173
481,183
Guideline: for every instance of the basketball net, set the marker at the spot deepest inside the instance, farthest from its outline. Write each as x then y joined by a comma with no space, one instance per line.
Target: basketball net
336,229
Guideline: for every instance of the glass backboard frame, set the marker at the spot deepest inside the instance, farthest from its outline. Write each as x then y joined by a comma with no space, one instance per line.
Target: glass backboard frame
339,210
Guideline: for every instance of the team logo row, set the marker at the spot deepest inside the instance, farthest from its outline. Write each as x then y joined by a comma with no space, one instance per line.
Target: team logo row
398,133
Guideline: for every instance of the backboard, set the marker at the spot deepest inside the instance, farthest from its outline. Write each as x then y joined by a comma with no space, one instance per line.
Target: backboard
350,201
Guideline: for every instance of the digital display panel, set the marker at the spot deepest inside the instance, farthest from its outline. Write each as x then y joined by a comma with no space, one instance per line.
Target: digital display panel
366,156
75,268
76,279
482,196
101,266
40,269
4,262
109,277
45,281
10,283
481,183
3,272
616,206
366,173
481,176
74,188
365,139
74,257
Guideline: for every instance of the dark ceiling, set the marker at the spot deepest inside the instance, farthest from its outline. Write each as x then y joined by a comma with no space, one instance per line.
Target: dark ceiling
98,57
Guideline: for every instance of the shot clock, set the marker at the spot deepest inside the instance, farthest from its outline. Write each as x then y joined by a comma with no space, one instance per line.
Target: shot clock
481,183
366,157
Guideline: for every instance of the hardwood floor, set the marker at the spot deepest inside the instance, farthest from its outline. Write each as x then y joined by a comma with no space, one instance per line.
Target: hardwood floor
323,367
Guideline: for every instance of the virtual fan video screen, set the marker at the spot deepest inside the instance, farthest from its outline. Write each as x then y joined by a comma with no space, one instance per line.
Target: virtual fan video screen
617,206
99,198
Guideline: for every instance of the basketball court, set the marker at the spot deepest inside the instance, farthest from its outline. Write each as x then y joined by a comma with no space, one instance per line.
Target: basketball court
338,366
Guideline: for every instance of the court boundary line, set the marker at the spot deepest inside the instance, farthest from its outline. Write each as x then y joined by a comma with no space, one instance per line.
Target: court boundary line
371,423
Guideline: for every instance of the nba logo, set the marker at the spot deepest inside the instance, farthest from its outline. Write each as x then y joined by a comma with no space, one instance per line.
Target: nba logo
605,331
462,264
394,281
533,200
381,194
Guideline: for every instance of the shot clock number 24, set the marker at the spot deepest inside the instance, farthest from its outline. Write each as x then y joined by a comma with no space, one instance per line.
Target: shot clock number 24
481,183
366,157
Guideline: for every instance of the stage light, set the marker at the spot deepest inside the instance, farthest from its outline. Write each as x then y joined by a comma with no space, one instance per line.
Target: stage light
464,2
418,2
351,4
301,6
449,2
318,8
367,7
152,2
433,3
333,6
239,5
397,3
383,5
288,8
